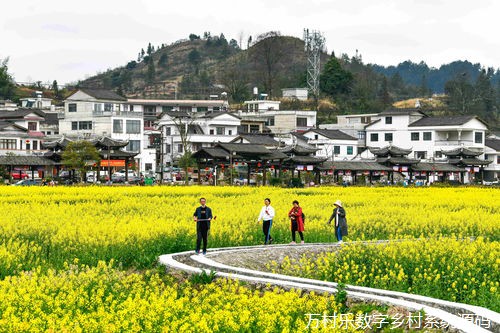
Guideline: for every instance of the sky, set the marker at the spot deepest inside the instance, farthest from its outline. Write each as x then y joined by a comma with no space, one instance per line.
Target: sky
70,40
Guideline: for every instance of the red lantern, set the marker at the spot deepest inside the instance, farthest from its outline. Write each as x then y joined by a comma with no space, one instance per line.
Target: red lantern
235,163
272,167
206,169
222,166
259,165
27,141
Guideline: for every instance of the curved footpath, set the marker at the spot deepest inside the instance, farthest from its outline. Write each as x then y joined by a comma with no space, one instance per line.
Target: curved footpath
453,313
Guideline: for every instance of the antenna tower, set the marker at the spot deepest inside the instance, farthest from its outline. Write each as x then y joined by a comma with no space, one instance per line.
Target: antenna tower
314,43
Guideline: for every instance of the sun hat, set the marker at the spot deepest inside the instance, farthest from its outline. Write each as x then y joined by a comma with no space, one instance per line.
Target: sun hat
338,203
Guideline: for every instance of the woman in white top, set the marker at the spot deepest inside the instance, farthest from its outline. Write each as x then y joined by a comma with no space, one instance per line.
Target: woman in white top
267,215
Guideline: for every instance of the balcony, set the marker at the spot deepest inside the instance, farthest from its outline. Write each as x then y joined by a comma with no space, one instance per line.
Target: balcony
125,114
453,142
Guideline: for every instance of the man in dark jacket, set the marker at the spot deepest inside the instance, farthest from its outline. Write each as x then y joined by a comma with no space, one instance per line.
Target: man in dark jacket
202,216
340,221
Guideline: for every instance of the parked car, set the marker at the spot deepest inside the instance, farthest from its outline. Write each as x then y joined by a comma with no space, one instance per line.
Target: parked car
27,182
19,174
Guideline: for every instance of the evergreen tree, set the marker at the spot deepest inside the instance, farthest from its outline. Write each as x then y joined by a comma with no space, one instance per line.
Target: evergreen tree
55,89
7,86
335,80
385,97
151,71
163,61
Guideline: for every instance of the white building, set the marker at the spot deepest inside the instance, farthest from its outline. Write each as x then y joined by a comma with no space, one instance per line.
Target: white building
332,144
7,105
200,130
298,93
20,132
426,136
492,153
37,102
262,105
92,113
353,124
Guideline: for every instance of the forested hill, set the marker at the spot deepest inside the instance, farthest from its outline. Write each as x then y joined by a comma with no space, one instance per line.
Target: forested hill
418,74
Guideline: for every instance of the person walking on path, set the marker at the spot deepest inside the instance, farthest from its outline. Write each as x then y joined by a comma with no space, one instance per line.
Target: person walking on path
340,225
266,215
202,216
295,216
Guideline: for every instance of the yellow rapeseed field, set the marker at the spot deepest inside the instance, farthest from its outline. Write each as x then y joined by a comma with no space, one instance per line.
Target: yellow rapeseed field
83,258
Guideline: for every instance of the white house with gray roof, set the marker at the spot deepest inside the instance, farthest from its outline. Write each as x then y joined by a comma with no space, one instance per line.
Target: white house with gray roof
492,153
426,136
335,145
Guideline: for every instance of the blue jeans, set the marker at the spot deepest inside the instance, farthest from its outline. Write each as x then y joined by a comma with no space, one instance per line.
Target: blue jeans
338,233
266,228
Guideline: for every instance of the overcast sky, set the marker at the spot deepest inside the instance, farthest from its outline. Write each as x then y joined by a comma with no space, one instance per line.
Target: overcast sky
71,40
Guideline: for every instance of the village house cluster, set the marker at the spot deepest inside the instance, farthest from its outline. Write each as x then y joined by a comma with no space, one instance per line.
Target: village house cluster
255,143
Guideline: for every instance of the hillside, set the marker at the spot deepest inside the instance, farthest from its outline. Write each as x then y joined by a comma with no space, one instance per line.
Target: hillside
201,66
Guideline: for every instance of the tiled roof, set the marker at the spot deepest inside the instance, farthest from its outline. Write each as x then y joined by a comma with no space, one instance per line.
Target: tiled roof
442,121
260,139
25,160
334,134
389,151
397,112
493,144
103,94
355,166
443,167
462,152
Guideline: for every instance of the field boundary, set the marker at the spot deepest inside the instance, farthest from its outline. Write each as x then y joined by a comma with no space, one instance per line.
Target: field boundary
444,310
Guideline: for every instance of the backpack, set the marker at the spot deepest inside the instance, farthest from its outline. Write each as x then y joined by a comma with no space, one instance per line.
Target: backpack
303,218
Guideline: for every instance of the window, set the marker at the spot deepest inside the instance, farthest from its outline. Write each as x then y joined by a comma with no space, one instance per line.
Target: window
150,111
498,159
212,132
220,130
72,107
148,166
478,137
166,108
117,126
108,107
74,126
374,137
270,121
168,149
316,136
427,136
35,145
28,146
84,125
196,146
349,150
254,128
388,137
185,108
131,108
216,108
133,126
361,135
134,145
8,144
420,154
202,109
336,150
301,122
98,107
229,132
31,126
415,136
149,123
168,131
179,148
438,154
388,120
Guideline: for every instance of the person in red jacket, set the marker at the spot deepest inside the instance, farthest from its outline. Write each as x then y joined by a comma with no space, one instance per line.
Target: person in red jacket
295,216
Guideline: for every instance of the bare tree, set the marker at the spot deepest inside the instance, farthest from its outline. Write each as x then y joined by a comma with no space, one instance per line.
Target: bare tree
267,53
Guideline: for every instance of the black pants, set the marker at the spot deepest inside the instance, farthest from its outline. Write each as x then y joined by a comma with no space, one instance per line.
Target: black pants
202,228
266,228
295,227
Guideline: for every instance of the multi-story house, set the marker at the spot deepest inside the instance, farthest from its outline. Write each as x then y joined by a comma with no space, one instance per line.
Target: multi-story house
193,131
20,131
426,136
353,124
90,113
278,122
334,145
492,153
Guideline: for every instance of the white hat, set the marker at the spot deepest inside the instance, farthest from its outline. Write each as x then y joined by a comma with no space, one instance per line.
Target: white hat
338,203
